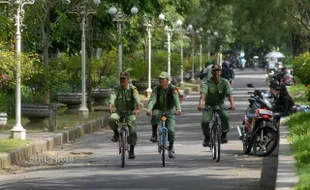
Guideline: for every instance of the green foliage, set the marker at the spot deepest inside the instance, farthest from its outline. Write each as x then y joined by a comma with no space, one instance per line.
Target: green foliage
301,67
105,69
72,67
7,103
299,131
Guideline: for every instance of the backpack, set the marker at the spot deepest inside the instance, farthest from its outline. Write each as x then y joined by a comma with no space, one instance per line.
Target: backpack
169,94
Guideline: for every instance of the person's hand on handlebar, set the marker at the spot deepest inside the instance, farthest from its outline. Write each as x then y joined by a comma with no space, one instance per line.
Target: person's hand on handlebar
111,108
201,107
232,107
149,112
137,112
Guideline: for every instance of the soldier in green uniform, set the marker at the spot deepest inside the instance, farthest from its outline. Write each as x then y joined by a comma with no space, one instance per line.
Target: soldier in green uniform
164,98
125,97
214,93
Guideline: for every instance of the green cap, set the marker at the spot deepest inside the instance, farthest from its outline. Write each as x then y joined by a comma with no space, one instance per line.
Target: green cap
216,67
124,75
163,75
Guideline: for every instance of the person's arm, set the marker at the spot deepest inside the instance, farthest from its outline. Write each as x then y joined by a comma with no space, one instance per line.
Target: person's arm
230,96
137,101
112,101
202,97
152,101
176,100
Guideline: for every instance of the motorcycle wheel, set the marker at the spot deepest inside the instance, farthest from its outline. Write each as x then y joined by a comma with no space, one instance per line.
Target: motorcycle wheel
247,146
265,141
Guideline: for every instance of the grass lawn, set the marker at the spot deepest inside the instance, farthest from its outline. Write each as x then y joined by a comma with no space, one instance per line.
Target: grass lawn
299,135
7,145
298,94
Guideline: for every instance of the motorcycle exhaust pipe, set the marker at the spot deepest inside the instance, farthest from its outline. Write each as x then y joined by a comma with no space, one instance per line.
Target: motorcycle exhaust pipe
239,132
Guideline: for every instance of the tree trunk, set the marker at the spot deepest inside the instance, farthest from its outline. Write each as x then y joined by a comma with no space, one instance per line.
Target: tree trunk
46,37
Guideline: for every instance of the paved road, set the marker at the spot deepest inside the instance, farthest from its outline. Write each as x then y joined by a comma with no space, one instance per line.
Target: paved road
93,162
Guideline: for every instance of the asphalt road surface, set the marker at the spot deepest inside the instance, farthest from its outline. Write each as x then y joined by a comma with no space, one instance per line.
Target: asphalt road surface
92,162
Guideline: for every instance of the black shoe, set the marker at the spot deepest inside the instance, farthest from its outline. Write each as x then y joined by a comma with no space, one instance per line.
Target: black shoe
206,142
131,153
115,136
224,138
153,138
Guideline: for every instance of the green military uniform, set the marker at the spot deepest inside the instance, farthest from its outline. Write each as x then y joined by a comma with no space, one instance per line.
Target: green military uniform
215,95
125,99
164,104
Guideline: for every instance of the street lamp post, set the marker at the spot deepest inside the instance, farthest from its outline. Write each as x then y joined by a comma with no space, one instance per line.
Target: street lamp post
83,10
179,24
148,29
168,31
190,28
209,42
120,18
18,132
199,33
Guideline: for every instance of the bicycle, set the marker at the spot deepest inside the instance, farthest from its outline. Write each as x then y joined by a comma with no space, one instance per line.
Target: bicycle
215,133
123,135
163,137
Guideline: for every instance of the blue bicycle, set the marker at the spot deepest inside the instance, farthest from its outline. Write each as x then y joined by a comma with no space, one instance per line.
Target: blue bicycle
163,138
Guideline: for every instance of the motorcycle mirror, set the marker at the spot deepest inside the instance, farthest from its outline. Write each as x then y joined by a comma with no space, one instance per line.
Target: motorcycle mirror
250,85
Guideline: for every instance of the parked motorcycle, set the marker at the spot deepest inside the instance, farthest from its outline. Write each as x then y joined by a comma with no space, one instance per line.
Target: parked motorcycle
258,130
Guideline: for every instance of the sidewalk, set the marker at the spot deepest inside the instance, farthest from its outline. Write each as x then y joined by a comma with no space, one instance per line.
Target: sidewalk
287,173
44,141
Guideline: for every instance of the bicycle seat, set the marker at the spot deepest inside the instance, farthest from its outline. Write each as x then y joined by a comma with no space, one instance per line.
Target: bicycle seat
216,108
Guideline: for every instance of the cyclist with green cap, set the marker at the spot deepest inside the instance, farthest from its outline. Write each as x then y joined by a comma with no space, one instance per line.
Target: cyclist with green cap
164,98
213,94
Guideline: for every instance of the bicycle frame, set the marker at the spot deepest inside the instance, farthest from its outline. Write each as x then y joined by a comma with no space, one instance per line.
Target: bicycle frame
161,129
123,129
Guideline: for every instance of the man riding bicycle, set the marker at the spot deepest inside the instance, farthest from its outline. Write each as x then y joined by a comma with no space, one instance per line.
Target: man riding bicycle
164,98
125,97
214,93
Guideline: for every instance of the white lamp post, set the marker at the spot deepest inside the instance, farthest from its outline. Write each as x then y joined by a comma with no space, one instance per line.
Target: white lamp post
168,31
120,18
199,33
83,10
209,42
18,132
179,24
149,28
190,28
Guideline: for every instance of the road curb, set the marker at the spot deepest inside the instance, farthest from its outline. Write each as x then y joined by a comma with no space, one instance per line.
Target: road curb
44,144
287,172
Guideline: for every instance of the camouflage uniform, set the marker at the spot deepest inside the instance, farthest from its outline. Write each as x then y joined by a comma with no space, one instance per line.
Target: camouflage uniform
164,106
125,99
215,95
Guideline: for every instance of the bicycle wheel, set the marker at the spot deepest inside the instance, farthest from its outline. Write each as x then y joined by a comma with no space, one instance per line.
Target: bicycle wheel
218,142
163,151
123,148
213,139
